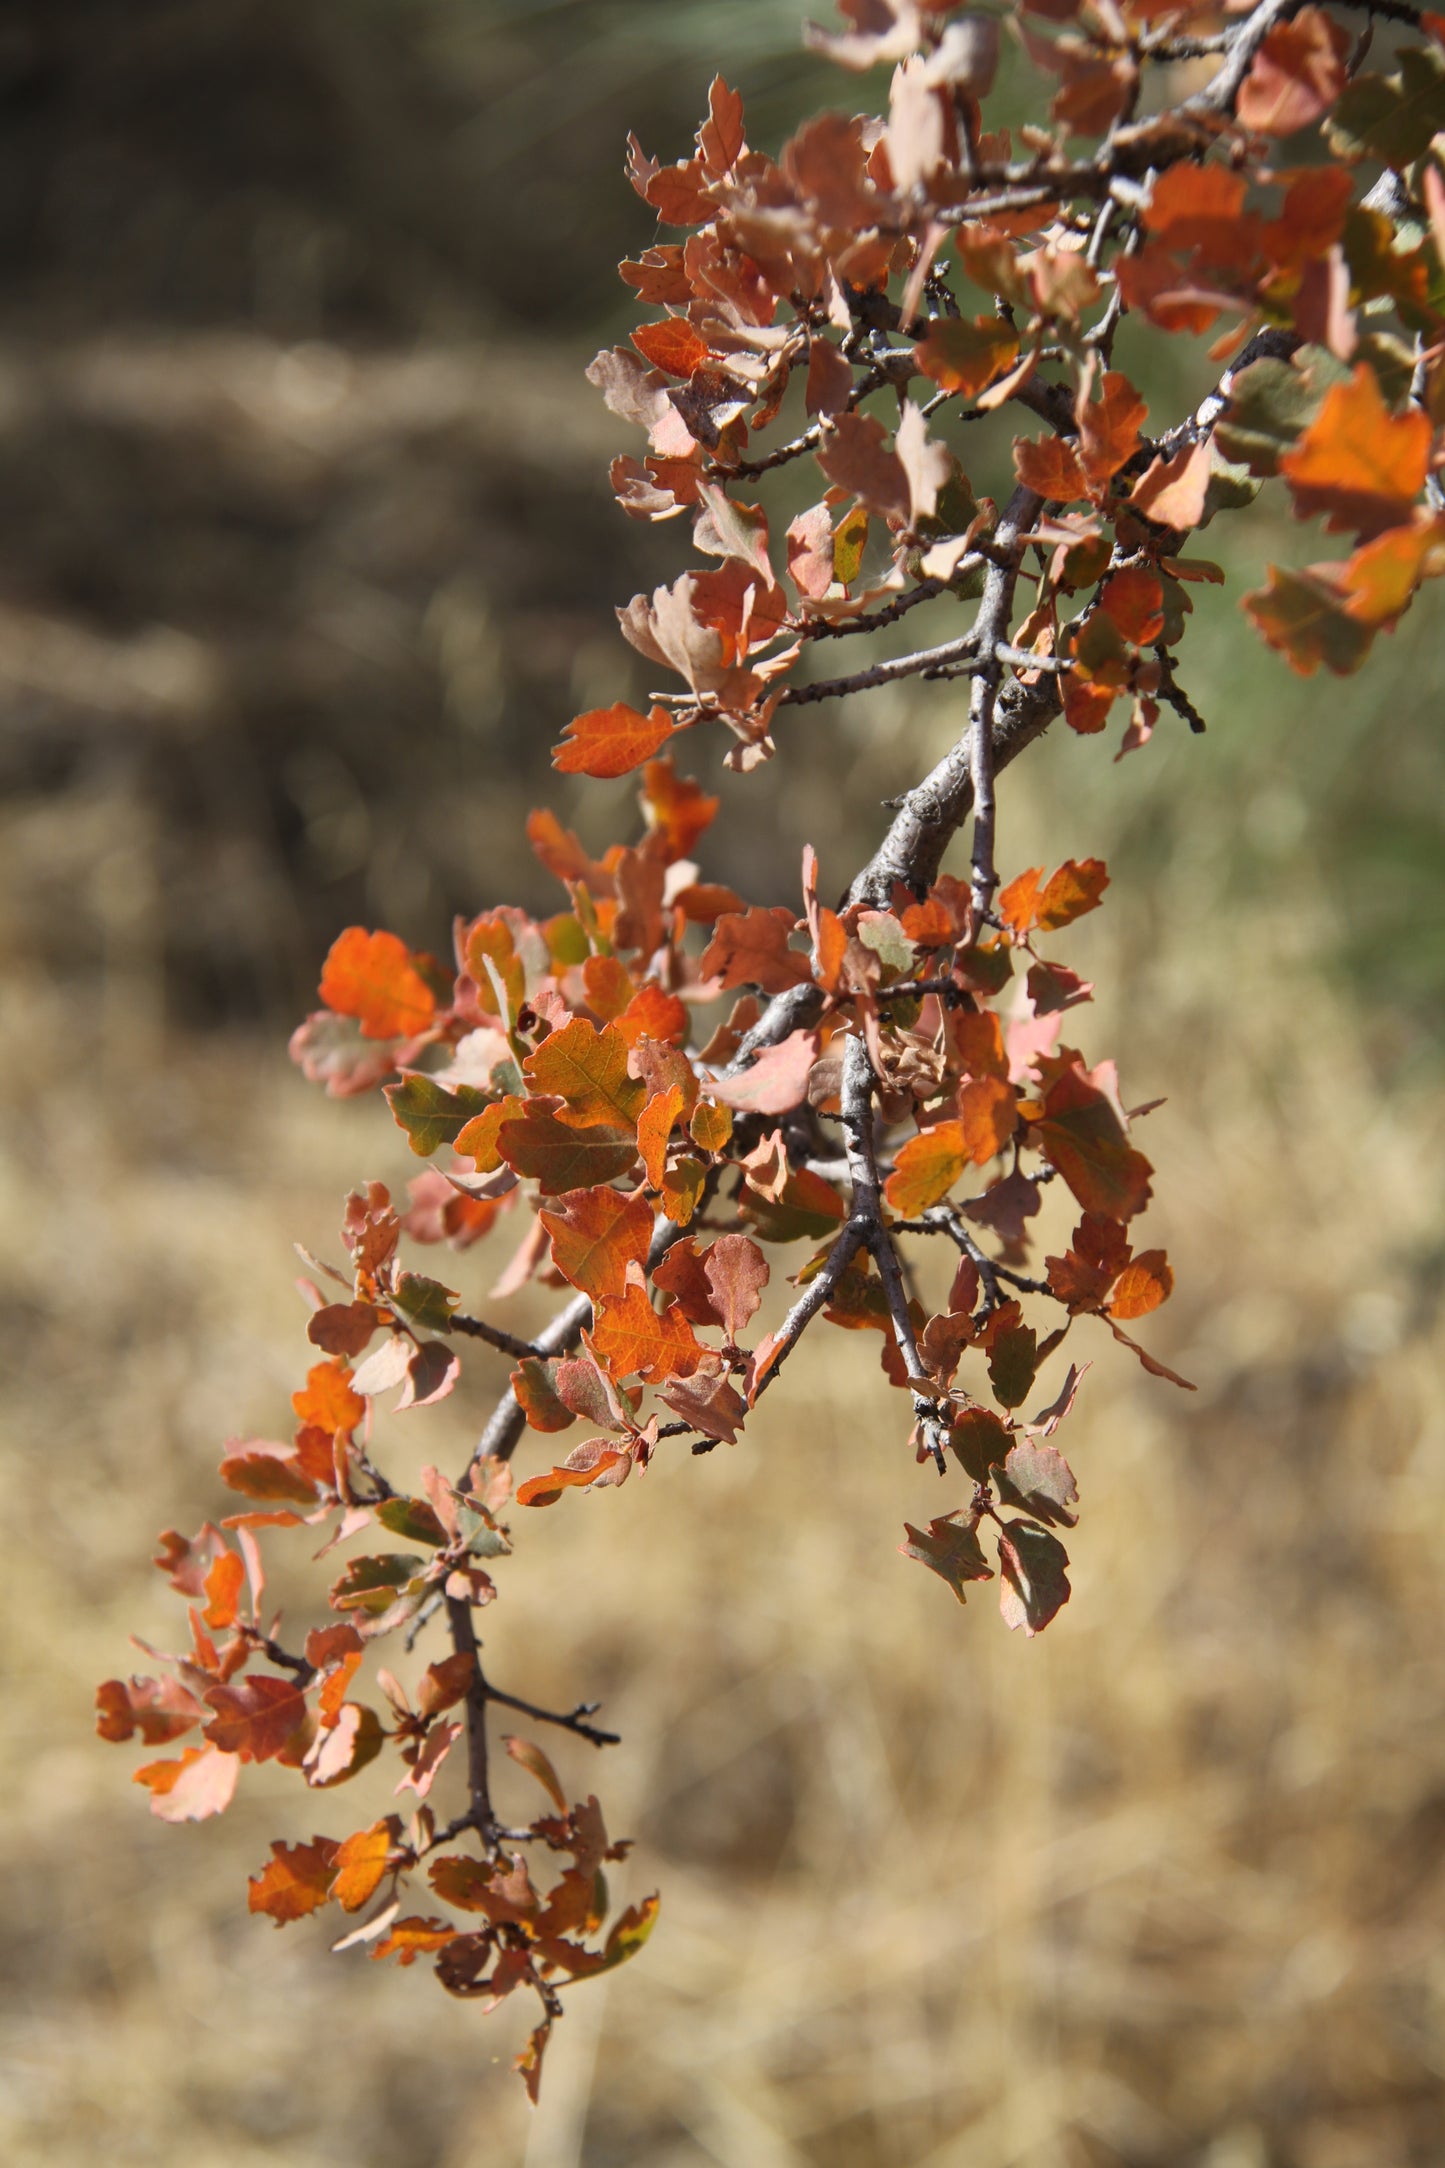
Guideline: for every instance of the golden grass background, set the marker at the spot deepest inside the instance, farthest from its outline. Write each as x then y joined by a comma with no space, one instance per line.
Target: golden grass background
1163,1888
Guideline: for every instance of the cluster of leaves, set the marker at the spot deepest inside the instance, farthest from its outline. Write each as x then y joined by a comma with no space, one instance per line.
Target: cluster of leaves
666,1086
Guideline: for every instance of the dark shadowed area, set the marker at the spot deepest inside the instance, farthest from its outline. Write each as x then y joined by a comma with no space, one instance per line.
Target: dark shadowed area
307,554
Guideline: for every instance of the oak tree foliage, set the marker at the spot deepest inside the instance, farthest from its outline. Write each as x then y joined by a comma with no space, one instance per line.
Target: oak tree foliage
678,1097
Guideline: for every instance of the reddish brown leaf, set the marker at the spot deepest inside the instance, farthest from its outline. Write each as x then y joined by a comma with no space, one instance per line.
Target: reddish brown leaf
1358,462
752,949
949,1547
596,1460
671,345
159,1709
595,1234
255,1718
965,355
1051,467
634,1340
737,1272
1295,76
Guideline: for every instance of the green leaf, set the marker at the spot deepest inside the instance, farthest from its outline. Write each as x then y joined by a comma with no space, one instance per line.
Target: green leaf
1271,405
372,1584
430,1113
424,1303
1392,118
1012,1362
413,1519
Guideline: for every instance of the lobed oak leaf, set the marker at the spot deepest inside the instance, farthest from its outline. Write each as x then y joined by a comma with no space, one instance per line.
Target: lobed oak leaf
672,346
1039,1479
1078,886
1134,599
634,1340
431,1113
607,742
1006,1206
926,1167
587,1070
411,1938
807,1208
1145,1282
1296,74
751,949
1033,1577
562,1156
775,1081
963,354
1109,426
224,1582
330,1050
373,1584
676,808
200,1784
1083,1137
295,1881
159,1709
595,1234
1357,462
949,1547
736,1272
987,1117
655,1125
708,1401
327,1401
1051,467
595,1461
361,1863
981,1441
257,1717
1172,490
373,977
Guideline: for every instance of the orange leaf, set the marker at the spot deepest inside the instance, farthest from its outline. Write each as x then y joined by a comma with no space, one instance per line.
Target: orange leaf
963,355
926,1168
408,1939
587,1069
608,742
597,1460
1134,599
1357,461
988,1116
711,1126
751,949
633,1340
654,1126
1143,1284
224,1583
595,1233
1172,491
1050,467
1077,887
361,1863
1109,427
672,345
326,1401
296,1880
371,976
677,809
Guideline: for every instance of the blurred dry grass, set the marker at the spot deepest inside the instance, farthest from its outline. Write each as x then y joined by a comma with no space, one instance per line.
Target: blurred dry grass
1163,1887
